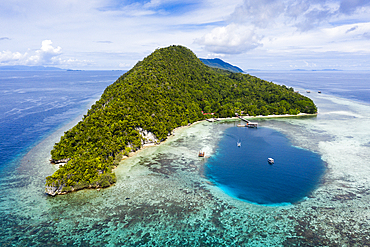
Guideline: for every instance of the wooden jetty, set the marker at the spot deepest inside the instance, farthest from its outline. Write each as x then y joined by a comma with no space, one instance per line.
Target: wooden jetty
249,124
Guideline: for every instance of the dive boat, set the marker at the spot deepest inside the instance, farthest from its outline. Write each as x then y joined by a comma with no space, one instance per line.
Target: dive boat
271,160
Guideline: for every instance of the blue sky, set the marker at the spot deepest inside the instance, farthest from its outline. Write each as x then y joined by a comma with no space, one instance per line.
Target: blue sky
113,34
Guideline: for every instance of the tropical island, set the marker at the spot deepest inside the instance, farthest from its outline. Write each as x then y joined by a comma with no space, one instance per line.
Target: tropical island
168,89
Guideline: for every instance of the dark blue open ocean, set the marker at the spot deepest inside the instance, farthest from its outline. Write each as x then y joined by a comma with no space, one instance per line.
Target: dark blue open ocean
34,103
164,196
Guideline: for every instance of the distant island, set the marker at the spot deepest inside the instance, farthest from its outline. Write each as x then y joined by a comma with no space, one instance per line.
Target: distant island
27,68
168,89
316,70
218,63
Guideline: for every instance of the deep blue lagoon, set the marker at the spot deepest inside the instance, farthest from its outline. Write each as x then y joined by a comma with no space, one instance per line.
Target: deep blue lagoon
244,172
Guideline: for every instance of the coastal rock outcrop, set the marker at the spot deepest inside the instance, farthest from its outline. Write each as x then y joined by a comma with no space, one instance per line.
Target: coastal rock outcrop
53,190
147,136
60,162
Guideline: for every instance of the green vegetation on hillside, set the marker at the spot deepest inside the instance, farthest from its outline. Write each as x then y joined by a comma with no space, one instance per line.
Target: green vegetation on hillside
169,88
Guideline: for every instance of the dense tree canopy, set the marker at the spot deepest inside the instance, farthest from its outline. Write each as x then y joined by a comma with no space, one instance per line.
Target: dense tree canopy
169,88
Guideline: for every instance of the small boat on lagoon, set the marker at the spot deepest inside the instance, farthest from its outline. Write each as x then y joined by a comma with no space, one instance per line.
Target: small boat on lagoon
271,161
239,144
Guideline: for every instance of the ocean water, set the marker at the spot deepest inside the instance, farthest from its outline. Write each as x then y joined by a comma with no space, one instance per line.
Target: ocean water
163,196
353,85
33,104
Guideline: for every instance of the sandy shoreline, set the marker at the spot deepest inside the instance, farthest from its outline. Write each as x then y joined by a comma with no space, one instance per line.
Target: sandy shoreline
281,116
145,146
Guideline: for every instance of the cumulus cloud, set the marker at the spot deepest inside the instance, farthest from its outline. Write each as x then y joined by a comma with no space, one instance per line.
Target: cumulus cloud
46,55
270,16
303,14
231,39
12,58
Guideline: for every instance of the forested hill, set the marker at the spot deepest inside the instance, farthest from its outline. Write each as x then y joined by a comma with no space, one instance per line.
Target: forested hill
218,63
169,88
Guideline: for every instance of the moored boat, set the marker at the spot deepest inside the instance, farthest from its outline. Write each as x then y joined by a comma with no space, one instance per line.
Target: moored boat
252,125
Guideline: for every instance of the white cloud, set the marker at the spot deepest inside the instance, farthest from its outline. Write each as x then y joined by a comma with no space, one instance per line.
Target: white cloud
10,58
303,14
46,55
231,39
266,23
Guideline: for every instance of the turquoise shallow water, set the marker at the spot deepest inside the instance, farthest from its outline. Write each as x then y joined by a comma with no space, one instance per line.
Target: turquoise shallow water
163,198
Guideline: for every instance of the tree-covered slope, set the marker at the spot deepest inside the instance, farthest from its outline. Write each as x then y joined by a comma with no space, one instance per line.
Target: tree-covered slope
169,88
218,63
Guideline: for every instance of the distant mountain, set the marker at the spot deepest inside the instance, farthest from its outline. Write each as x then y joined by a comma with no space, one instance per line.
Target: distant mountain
328,70
218,63
316,70
27,68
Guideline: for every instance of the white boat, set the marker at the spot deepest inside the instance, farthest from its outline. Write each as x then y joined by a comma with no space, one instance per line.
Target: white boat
239,144
271,160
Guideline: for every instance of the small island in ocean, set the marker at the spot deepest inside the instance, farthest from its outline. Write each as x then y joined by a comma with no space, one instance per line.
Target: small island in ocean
168,89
